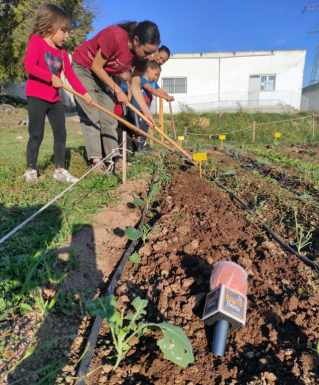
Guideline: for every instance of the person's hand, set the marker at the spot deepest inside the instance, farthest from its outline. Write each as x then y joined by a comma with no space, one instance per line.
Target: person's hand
149,116
56,82
171,98
89,99
122,98
135,135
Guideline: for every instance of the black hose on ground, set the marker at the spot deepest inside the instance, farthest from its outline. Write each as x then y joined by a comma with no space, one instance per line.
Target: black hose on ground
307,261
280,184
90,346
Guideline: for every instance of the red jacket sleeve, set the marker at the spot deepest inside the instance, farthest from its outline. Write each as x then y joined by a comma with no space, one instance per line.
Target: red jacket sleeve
70,75
32,60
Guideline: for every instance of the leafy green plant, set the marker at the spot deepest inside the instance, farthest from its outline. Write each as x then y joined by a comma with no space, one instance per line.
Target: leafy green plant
45,307
259,206
132,233
135,258
174,344
302,237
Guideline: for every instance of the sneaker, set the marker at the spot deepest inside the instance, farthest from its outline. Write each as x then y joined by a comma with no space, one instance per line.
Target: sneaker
100,169
64,175
141,149
31,176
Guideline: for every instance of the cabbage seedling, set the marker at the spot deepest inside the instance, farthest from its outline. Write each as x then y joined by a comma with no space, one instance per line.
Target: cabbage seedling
174,344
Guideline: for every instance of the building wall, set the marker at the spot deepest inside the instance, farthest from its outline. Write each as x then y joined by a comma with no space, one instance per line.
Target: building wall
215,77
312,93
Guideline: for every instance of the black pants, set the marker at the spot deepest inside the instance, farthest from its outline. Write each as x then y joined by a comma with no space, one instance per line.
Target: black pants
38,109
140,123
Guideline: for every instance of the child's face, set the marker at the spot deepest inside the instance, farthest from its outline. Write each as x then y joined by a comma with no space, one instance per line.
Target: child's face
60,37
126,77
152,75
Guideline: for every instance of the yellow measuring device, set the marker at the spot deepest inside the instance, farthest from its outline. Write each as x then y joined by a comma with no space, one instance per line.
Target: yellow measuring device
180,138
222,138
277,135
199,158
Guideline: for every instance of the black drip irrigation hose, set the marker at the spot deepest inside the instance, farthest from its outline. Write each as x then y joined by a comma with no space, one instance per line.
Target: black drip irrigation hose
307,261
90,346
280,184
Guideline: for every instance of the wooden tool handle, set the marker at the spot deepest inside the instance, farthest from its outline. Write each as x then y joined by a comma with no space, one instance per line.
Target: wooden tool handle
172,117
180,149
131,126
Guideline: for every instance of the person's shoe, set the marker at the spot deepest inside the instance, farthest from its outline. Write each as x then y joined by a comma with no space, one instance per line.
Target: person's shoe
31,176
64,175
100,169
141,149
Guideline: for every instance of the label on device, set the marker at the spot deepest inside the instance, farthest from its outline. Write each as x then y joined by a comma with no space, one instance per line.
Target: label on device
227,304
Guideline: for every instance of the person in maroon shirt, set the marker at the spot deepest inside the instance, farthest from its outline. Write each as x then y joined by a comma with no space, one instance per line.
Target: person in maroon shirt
114,50
44,60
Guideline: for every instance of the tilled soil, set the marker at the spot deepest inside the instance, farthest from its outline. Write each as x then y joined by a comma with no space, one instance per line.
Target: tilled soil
201,227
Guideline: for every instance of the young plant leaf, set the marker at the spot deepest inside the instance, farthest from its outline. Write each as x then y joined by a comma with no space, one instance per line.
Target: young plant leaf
105,308
135,258
25,308
230,172
140,305
133,234
138,202
175,345
2,304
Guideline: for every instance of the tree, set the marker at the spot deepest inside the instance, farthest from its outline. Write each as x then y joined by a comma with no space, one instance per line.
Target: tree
16,18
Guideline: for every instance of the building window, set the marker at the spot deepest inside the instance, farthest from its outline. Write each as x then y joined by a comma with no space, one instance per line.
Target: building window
174,85
267,82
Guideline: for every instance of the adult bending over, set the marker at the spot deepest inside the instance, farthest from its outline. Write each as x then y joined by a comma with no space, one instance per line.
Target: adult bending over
113,50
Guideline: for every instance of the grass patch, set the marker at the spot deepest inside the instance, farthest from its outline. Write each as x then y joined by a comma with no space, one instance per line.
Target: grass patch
28,257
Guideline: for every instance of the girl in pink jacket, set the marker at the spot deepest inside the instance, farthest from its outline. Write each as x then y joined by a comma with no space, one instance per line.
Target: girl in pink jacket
44,61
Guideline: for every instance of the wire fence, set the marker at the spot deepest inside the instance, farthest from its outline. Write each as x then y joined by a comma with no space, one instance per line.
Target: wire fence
109,157
252,127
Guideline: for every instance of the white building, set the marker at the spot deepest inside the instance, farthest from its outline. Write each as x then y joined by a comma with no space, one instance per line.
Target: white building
225,81
312,94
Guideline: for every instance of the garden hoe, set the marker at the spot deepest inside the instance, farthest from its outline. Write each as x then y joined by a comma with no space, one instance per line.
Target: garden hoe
178,147
182,154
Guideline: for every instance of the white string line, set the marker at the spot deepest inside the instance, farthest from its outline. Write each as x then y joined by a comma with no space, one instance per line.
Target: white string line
58,196
250,127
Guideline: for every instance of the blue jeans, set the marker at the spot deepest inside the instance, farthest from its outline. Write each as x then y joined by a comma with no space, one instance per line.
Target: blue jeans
141,124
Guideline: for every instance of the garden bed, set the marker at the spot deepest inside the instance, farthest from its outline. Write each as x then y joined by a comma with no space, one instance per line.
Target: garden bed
200,226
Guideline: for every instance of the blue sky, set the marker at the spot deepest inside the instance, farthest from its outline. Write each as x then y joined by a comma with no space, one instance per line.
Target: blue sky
220,25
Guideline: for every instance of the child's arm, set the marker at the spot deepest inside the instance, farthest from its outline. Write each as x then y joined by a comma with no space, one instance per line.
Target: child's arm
32,60
158,92
138,96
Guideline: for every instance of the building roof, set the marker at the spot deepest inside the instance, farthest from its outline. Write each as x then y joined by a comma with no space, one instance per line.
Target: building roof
229,54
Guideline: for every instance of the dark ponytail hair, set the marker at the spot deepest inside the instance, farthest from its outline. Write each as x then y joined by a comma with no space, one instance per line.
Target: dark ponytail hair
146,31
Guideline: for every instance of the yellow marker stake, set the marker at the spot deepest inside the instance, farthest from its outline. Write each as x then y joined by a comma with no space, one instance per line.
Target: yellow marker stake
277,135
199,158
222,138
180,138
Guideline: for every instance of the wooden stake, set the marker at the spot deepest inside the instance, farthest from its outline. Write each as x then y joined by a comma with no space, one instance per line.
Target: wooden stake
124,156
129,125
151,140
172,117
313,124
161,117
254,131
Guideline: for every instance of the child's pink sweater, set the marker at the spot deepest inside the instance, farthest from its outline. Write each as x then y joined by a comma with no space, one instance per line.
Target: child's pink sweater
41,62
